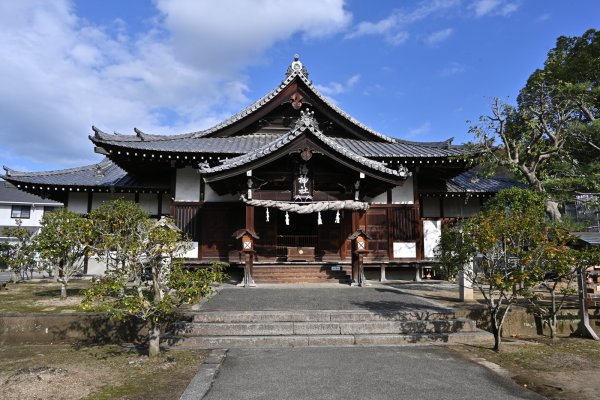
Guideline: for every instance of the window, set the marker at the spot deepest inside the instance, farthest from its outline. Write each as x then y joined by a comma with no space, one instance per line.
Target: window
22,212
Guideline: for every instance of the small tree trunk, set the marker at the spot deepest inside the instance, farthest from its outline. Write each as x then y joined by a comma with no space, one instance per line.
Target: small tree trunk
63,290
14,276
552,210
496,330
154,340
553,320
552,323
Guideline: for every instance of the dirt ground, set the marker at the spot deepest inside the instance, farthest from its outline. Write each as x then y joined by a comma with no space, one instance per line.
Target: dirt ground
565,368
94,373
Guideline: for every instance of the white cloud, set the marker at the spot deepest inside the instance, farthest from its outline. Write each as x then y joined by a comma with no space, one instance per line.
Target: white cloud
435,38
493,7
61,74
453,68
334,88
420,130
393,28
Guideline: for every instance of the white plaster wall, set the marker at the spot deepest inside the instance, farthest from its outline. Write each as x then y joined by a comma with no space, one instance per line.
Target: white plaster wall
96,266
457,207
211,196
432,232
405,250
187,185
149,203
78,202
400,194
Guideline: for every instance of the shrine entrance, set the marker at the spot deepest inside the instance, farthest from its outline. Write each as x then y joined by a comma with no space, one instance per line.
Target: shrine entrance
297,236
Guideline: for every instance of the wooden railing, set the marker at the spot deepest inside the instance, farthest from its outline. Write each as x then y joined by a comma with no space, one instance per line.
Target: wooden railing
285,241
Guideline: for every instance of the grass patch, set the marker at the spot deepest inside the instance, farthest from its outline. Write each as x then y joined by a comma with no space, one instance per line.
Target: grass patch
95,373
41,296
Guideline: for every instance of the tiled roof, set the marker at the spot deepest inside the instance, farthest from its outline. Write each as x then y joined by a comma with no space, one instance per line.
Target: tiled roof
11,195
104,174
305,122
179,144
469,182
140,136
401,148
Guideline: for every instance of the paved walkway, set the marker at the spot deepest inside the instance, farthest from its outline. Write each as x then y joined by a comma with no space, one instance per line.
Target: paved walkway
317,297
423,372
361,373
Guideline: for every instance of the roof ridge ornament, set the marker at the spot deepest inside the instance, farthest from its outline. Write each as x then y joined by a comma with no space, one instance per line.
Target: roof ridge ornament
307,118
296,68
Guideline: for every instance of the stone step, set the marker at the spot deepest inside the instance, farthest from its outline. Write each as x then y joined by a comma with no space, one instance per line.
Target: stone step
299,280
325,328
217,342
321,316
305,273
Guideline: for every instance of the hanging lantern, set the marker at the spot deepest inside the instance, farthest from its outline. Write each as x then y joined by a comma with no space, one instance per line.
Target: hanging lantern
287,218
267,215
319,219
337,217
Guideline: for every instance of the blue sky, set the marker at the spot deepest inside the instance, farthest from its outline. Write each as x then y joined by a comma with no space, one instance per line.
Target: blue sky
416,70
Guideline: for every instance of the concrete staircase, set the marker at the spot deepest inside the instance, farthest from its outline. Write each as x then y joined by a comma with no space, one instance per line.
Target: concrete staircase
227,329
290,273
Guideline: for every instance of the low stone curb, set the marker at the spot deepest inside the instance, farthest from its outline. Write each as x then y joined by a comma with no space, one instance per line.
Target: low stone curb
202,381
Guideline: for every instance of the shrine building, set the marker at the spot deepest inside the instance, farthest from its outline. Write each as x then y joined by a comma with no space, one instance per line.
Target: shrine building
287,187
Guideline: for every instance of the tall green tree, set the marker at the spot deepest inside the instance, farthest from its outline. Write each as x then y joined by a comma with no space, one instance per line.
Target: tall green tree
501,239
115,232
551,137
152,282
63,242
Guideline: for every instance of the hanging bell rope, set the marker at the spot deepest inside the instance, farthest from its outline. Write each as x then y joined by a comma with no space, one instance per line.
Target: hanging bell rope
319,219
308,208
287,218
337,217
267,215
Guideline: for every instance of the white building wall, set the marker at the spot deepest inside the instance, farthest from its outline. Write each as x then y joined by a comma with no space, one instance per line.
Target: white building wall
187,185
432,232
35,216
400,194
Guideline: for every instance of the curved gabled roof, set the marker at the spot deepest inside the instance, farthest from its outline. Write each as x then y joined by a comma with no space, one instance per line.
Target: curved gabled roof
304,123
299,74
103,174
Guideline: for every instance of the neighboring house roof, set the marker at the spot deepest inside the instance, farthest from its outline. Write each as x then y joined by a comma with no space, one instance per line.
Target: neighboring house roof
588,238
11,195
105,174
468,181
